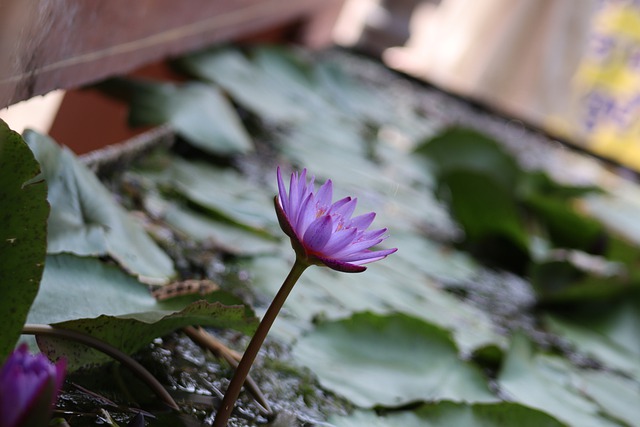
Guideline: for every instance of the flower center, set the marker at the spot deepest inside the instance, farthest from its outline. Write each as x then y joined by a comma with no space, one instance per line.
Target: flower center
338,219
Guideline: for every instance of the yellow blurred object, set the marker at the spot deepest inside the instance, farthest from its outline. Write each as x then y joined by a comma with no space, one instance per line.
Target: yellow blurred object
606,88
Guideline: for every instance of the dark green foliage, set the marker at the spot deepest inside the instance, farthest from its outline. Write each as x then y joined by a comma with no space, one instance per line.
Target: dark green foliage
502,208
23,233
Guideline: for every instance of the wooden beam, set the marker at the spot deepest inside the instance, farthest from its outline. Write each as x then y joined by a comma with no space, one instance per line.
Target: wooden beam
47,45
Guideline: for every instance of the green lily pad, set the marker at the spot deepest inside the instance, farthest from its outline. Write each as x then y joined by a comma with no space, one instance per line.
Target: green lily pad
290,68
131,332
617,211
537,183
565,280
362,418
348,95
485,414
394,286
447,414
616,395
489,215
483,208
77,287
231,239
86,220
198,112
255,90
565,227
23,235
87,295
390,360
222,193
549,384
611,337
466,150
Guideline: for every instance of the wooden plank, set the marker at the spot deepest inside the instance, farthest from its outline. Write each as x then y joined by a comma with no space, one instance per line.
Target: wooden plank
46,45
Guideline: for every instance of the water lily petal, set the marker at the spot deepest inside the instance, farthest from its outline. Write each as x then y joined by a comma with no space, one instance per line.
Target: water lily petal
325,194
340,240
282,192
318,233
297,187
372,235
342,266
306,215
339,204
356,247
346,210
365,257
362,222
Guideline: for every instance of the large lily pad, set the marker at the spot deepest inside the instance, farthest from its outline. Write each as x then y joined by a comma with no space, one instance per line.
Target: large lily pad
198,112
222,193
131,332
361,418
617,395
479,181
618,211
610,337
447,414
23,234
549,384
86,220
475,152
255,90
85,294
347,94
484,207
396,286
390,360
204,228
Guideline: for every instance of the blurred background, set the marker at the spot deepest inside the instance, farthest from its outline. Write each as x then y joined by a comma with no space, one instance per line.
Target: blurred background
569,67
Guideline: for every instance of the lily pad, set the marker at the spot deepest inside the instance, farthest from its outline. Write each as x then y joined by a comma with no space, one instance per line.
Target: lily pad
231,239
485,414
466,150
385,288
87,295
578,277
198,112
610,337
490,218
565,227
362,418
346,93
131,332
23,235
86,220
391,360
618,211
617,395
250,87
222,193
548,383
447,414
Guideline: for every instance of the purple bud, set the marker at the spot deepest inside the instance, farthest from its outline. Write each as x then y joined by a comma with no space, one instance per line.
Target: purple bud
29,386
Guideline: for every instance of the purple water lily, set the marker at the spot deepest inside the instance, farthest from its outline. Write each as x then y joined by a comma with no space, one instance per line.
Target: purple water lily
321,233
324,233
29,386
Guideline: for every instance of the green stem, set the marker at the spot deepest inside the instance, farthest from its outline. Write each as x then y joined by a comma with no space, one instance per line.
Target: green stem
233,391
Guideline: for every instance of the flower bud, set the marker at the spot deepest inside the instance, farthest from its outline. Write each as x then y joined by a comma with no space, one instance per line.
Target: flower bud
29,386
